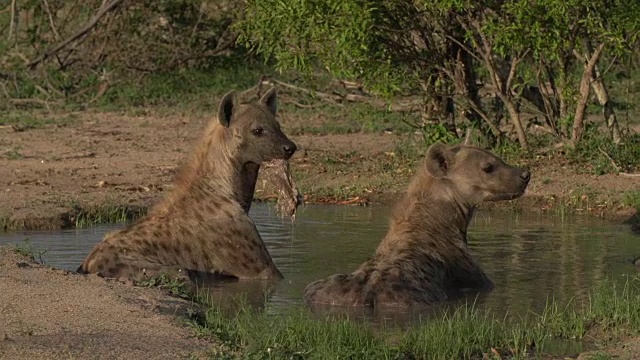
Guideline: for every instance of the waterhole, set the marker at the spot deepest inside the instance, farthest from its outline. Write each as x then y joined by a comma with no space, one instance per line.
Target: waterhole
530,257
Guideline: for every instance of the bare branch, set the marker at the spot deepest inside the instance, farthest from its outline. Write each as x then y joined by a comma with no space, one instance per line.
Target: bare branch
512,70
615,166
467,138
12,23
30,101
585,85
464,47
339,99
83,31
6,10
53,25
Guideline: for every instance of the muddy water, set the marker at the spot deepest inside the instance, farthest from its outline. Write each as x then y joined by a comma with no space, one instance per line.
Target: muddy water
530,258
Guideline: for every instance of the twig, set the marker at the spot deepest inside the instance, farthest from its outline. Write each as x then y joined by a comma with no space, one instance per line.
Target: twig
53,25
610,159
467,138
4,89
628,174
260,83
7,9
101,91
84,30
249,91
302,106
340,99
464,47
512,69
30,101
319,94
546,129
13,17
554,147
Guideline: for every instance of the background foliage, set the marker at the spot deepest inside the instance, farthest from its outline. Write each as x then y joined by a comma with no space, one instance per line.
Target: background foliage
515,70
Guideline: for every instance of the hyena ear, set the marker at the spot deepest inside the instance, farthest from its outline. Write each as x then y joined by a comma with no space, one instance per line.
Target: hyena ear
269,100
226,108
438,160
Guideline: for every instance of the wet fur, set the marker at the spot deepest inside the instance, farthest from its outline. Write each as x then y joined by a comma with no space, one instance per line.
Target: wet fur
424,256
202,226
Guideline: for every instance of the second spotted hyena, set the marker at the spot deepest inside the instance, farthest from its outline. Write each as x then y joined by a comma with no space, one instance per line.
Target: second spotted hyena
202,226
424,256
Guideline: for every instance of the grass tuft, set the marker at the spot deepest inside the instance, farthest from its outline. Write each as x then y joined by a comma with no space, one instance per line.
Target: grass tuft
27,250
105,214
632,198
466,333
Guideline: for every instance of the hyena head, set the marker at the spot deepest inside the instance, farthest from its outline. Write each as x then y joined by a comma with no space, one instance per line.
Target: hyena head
255,129
476,174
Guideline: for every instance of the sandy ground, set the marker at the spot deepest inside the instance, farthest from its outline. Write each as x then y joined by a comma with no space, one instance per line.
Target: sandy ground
48,313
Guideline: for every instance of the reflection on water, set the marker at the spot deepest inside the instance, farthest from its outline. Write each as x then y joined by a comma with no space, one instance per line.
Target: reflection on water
530,258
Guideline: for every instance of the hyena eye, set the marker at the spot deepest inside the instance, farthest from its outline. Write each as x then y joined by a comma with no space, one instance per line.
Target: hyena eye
488,168
258,131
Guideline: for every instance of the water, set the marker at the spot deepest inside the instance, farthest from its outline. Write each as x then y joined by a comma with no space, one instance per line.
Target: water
530,257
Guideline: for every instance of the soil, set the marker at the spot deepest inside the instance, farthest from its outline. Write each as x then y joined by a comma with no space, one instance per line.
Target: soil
48,313
51,175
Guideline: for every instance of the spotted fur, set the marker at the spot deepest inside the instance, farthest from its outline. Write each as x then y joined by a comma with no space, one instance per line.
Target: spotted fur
424,256
202,226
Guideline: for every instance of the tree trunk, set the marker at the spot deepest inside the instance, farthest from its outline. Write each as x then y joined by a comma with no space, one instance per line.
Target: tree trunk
514,114
502,77
581,105
465,81
609,114
438,108
597,84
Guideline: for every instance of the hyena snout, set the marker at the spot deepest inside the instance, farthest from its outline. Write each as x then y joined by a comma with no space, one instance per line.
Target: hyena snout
525,176
289,148
521,178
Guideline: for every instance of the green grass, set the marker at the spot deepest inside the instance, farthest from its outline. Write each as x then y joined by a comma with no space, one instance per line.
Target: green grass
4,222
27,250
465,333
632,198
172,284
600,356
182,90
22,120
329,118
13,154
600,155
107,213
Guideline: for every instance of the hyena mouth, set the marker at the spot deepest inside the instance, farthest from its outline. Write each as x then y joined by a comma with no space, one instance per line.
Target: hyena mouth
277,173
511,196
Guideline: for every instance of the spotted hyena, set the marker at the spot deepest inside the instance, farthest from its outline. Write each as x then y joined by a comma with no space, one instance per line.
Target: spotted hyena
424,256
202,225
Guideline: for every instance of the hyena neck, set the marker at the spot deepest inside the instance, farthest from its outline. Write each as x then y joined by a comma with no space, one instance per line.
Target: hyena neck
424,219
245,185
452,218
215,172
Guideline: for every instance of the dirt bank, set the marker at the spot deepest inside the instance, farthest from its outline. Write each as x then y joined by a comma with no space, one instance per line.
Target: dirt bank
101,166
49,313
